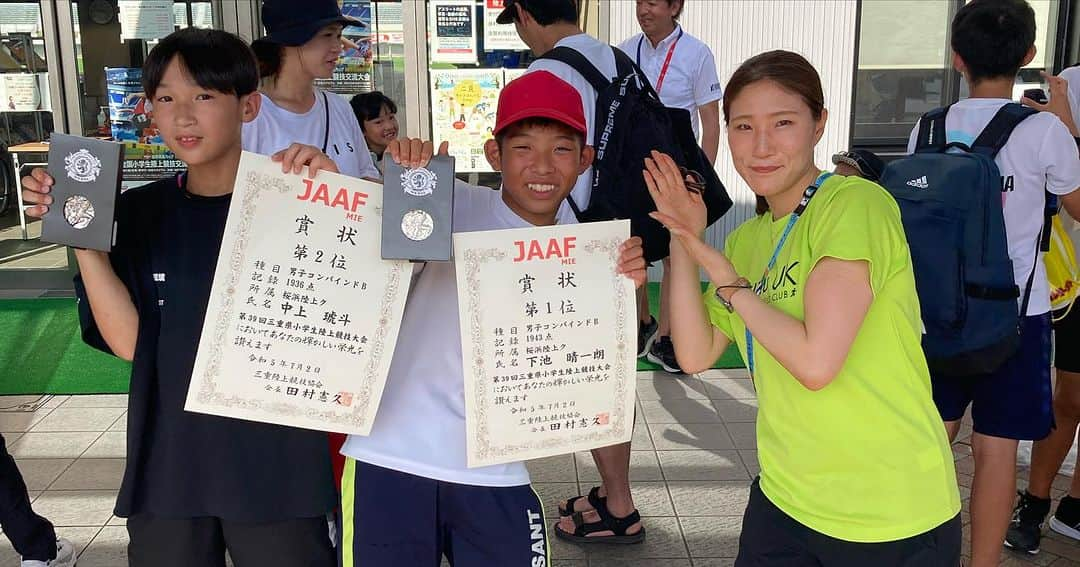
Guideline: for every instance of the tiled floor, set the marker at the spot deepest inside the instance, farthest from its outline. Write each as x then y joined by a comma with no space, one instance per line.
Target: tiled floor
694,455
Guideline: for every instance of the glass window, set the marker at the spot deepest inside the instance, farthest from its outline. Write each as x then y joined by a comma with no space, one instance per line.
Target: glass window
470,58
26,120
905,65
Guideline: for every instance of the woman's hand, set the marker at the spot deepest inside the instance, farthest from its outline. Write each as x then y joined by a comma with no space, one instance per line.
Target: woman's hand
683,208
632,261
35,191
683,213
412,153
1058,103
296,156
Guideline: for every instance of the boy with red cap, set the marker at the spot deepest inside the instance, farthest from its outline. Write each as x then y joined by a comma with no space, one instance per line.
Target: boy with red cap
408,498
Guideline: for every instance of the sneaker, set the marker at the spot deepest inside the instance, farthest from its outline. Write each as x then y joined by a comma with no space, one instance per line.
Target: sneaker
65,556
646,335
663,353
1025,531
1066,521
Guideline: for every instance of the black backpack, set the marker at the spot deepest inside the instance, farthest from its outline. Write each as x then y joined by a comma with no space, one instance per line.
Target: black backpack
631,122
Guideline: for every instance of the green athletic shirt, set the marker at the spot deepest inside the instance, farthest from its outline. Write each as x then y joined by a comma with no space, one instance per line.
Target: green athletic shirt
866,458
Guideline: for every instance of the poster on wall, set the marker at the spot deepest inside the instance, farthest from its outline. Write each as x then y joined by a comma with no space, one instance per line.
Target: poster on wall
353,72
24,92
146,157
145,19
463,105
496,35
511,74
454,40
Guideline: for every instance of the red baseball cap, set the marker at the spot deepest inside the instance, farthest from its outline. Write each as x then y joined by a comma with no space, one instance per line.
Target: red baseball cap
540,94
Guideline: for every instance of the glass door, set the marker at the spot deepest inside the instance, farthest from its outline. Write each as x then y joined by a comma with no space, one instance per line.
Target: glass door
75,66
28,84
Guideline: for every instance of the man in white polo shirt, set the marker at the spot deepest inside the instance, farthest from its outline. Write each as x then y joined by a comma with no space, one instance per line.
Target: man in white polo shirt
683,71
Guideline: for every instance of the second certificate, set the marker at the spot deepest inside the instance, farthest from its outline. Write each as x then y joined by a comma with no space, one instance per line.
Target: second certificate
548,330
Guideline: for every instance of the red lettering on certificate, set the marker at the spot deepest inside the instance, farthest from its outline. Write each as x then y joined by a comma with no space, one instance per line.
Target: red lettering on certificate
343,198
553,249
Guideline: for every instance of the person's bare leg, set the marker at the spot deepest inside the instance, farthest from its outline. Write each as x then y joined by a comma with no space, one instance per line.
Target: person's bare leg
643,305
993,493
1048,454
665,300
614,465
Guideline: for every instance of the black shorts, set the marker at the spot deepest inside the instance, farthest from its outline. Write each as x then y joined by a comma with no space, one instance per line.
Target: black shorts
771,538
1067,342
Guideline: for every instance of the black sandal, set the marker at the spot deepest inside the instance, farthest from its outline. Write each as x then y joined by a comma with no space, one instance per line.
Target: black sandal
608,522
593,497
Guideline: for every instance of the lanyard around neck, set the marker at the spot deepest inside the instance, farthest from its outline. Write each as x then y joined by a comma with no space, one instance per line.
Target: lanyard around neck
667,60
762,284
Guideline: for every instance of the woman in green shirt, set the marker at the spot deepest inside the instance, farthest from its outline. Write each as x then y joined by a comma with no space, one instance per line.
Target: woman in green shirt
819,295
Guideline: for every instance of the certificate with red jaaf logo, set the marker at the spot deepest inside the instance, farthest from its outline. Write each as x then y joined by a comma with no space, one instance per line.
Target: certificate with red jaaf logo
549,339
304,313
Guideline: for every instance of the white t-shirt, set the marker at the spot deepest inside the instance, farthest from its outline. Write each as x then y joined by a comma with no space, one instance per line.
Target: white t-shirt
601,56
690,81
275,128
1039,156
420,425
1072,74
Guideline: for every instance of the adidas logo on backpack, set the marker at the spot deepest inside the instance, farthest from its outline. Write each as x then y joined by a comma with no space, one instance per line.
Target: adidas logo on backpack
920,183
956,233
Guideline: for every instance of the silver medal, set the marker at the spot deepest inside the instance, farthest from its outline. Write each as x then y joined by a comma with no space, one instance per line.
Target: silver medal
417,225
78,211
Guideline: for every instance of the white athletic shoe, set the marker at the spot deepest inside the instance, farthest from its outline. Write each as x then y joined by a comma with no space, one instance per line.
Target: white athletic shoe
65,556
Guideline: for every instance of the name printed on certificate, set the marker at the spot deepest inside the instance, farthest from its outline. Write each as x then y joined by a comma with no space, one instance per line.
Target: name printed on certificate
549,339
303,313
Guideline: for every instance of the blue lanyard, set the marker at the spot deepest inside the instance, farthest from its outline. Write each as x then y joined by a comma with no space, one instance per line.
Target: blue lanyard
763,283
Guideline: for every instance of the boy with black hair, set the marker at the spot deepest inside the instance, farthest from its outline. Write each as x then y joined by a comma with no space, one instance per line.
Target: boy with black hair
195,485
544,25
991,41
408,498
1047,455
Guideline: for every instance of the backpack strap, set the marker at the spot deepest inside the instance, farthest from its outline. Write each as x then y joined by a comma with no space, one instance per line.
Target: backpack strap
931,136
997,132
579,63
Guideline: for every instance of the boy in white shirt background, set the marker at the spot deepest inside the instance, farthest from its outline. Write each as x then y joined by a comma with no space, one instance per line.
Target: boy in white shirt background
682,70
991,41
1047,455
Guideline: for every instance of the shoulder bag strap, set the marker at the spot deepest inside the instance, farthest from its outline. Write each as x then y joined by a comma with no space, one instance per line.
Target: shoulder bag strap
326,109
931,136
1001,126
579,63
